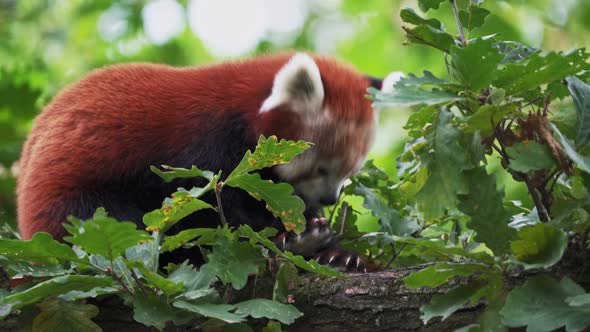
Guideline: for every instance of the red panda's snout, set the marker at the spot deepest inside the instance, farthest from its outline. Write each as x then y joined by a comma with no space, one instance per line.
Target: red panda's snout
325,103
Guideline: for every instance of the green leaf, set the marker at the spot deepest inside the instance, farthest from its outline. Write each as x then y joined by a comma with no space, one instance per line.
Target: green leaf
514,51
540,304
538,69
445,164
21,269
436,275
42,248
580,92
182,205
272,326
218,311
487,118
94,292
430,36
155,280
172,242
279,198
489,219
147,252
171,173
578,300
287,275
57,286
233,261
581,161
474,17
390,220
61,316
415,90
437,248
299,261
426,5
106,236
193,279
444,305
408,15
269,152
542,245
154,310
529,156
259,308
474,65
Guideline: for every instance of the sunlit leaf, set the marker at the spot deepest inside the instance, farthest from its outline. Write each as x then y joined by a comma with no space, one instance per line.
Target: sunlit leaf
269,152
279,198
542,245
171,173
182,205
107,237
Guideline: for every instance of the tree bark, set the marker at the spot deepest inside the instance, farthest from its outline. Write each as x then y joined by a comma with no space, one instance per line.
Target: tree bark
371,302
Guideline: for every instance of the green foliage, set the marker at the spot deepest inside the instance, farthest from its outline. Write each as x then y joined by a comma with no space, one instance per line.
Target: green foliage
542,245
279,199
542,304
486,115
105,236
259,308
62,316
233,261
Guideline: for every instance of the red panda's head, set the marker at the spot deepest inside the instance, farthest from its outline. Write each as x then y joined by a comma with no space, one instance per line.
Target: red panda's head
319,100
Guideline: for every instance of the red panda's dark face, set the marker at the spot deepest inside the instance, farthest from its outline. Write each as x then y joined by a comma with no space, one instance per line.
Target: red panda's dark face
329,111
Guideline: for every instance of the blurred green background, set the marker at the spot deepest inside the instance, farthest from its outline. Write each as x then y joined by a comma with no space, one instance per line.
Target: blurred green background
46,44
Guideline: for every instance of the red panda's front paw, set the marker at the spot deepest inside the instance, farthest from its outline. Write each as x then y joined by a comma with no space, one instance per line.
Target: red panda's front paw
317,236
343,260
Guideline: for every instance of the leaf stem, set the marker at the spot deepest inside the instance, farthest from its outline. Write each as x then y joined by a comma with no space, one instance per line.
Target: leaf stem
395,254
138,282
459,25
217,190
344,217
541,210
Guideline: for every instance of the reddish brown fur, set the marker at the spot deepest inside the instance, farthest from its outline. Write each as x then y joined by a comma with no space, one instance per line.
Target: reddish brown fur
121,119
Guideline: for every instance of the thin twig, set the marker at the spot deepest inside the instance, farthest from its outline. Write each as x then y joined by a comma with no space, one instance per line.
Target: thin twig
541,210
138,282
112,273
217,190
344,217
395,254
557,175
333,212
459,25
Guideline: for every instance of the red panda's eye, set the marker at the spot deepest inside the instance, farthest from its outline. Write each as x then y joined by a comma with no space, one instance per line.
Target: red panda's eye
322,171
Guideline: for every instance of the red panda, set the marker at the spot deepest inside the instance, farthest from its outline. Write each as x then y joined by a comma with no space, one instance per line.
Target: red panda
92,146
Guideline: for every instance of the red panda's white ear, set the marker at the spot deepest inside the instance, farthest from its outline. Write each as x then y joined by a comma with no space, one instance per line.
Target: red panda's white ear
297,84
390,80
